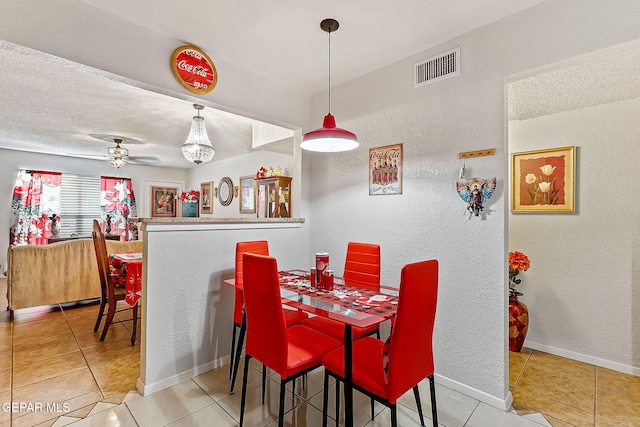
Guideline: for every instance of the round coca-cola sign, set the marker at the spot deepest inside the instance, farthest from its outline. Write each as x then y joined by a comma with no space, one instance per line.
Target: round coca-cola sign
194,69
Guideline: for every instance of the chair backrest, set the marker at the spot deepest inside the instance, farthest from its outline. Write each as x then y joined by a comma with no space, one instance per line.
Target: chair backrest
266,328
362,266
411,350
260,247
100,247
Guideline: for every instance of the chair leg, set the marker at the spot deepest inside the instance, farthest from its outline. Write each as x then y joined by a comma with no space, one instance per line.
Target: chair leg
281,408
372,415
134,333
416,393
378,333
434,412
325,398
244,388
394,415
108,320
337,402
103,302
264,381
243,329
233,347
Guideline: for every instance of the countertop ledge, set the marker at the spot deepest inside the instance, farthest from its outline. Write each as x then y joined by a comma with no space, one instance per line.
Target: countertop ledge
213,220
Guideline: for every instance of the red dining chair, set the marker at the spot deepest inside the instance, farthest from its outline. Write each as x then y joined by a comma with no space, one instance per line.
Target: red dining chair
290,352
110,293
386,370
292,317
361,269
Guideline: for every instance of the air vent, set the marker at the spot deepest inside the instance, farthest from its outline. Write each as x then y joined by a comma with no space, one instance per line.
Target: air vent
436,68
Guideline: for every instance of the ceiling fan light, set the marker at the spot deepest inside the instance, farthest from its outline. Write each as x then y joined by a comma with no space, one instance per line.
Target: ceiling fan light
197,148
118,162
329,138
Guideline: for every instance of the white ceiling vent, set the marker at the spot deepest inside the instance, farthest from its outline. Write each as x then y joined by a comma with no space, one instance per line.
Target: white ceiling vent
436,68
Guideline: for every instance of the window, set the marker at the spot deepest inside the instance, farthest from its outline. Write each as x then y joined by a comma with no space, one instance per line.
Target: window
79,204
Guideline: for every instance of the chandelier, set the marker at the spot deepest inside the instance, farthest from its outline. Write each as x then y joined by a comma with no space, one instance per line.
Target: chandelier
197,148
118,156
329,138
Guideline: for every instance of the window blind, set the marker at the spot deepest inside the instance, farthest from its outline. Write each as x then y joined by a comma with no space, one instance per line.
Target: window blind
79,204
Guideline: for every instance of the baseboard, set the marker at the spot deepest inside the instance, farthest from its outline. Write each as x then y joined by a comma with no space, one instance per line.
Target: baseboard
503,404
604,363
145,389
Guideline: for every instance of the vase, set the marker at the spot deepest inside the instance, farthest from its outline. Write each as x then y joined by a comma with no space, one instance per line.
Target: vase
55,229
189,210
518,323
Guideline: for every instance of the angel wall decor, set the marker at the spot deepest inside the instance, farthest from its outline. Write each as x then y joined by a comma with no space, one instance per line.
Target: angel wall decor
476,192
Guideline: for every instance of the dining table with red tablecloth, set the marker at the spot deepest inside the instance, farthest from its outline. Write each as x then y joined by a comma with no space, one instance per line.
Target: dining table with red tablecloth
126,270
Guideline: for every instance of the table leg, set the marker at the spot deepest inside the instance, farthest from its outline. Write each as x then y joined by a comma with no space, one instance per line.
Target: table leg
348,376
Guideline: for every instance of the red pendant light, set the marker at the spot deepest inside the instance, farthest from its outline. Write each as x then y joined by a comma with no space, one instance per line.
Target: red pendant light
329,138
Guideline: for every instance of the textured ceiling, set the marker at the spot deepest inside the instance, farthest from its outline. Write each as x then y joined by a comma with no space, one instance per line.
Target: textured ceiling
280,39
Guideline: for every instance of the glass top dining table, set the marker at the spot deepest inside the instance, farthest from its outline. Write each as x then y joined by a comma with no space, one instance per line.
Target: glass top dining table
349,305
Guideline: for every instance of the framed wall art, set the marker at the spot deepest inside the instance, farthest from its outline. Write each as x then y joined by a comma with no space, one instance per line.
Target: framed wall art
385,170
247,194
206,194
543,180
163,201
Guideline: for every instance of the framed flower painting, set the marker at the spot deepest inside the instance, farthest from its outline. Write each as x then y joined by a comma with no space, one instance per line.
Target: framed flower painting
543,180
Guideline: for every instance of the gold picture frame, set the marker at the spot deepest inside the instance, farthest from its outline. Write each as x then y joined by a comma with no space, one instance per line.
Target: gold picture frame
247,194
543,180
206,196
163,202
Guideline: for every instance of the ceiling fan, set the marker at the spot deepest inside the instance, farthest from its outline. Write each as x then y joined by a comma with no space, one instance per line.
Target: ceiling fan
119,157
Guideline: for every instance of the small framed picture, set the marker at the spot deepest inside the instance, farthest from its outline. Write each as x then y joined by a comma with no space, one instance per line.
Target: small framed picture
206,194
543,180
385,170
247,194
163,202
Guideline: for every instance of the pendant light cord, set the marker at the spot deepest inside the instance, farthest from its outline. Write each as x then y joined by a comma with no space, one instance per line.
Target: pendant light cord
329,71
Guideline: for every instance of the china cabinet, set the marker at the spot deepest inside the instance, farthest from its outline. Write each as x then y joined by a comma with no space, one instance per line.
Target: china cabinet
274,197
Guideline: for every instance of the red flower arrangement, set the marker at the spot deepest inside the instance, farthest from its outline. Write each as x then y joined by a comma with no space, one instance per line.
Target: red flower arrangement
191,197
517,262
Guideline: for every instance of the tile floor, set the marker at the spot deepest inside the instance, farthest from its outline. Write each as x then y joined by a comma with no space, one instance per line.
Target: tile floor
51,355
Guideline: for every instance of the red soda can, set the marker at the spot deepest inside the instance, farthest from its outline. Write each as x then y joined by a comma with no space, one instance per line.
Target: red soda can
313,277
328,280
322,263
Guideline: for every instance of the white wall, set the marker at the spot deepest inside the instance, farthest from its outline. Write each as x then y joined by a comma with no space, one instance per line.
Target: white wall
582,287
434,123
11,161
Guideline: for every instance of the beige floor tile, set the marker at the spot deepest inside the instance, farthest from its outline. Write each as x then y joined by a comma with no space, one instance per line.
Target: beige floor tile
71,405
58,389
116,370
211,415
556,364
216,382
517,361
28,373
573,388
555,409
87,338
5,397
361,406
111,348
605,422
169,405
32,351
556,422
619,405
5,379
34,314
617,381
303,415
256,413
117,393
119,416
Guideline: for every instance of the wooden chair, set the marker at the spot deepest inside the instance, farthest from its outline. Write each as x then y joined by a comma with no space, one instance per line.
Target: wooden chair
110,294
361,269
385,371
292,317
290,352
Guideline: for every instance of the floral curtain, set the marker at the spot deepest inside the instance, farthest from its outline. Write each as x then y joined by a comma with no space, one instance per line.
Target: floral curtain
35,207
118,203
